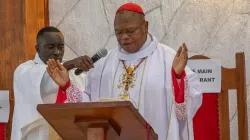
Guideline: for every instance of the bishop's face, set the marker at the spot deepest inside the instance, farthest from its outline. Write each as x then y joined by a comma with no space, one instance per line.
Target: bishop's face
131,30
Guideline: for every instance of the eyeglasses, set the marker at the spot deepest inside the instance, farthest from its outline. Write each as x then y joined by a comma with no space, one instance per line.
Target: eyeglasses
129,32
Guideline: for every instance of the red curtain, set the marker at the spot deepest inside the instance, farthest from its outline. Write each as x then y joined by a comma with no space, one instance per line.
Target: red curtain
206,120
2,131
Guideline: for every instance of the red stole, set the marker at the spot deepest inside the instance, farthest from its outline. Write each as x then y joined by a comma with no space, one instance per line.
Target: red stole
62,95
178,89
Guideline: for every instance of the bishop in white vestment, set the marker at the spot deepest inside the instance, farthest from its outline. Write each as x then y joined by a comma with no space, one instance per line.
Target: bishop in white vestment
33,86
140,69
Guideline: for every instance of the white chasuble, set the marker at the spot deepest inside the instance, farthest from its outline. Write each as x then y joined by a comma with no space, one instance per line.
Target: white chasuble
149,88
33,86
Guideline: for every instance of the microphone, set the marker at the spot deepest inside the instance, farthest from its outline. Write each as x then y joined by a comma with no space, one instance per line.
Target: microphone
100,54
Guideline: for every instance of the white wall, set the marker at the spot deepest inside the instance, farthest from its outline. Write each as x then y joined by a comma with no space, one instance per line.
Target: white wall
216,28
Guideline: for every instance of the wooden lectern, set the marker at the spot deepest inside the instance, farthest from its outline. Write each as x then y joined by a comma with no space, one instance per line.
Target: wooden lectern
116,120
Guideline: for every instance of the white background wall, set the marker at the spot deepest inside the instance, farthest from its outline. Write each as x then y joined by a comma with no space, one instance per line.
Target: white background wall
215,28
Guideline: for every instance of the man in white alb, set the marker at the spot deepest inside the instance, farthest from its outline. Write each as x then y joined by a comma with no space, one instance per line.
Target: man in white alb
33,86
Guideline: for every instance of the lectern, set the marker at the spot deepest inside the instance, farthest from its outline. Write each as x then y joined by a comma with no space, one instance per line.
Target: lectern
116,120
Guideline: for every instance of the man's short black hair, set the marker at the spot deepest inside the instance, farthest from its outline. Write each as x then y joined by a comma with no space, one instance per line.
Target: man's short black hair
46,29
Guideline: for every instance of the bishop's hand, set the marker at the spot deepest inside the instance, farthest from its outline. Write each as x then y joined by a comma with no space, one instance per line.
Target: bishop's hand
58,72
180,60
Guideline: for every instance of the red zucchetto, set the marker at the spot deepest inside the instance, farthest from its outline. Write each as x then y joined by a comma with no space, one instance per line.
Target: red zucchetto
131,7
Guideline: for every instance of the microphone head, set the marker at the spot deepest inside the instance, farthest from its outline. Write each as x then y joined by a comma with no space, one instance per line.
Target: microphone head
102,52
